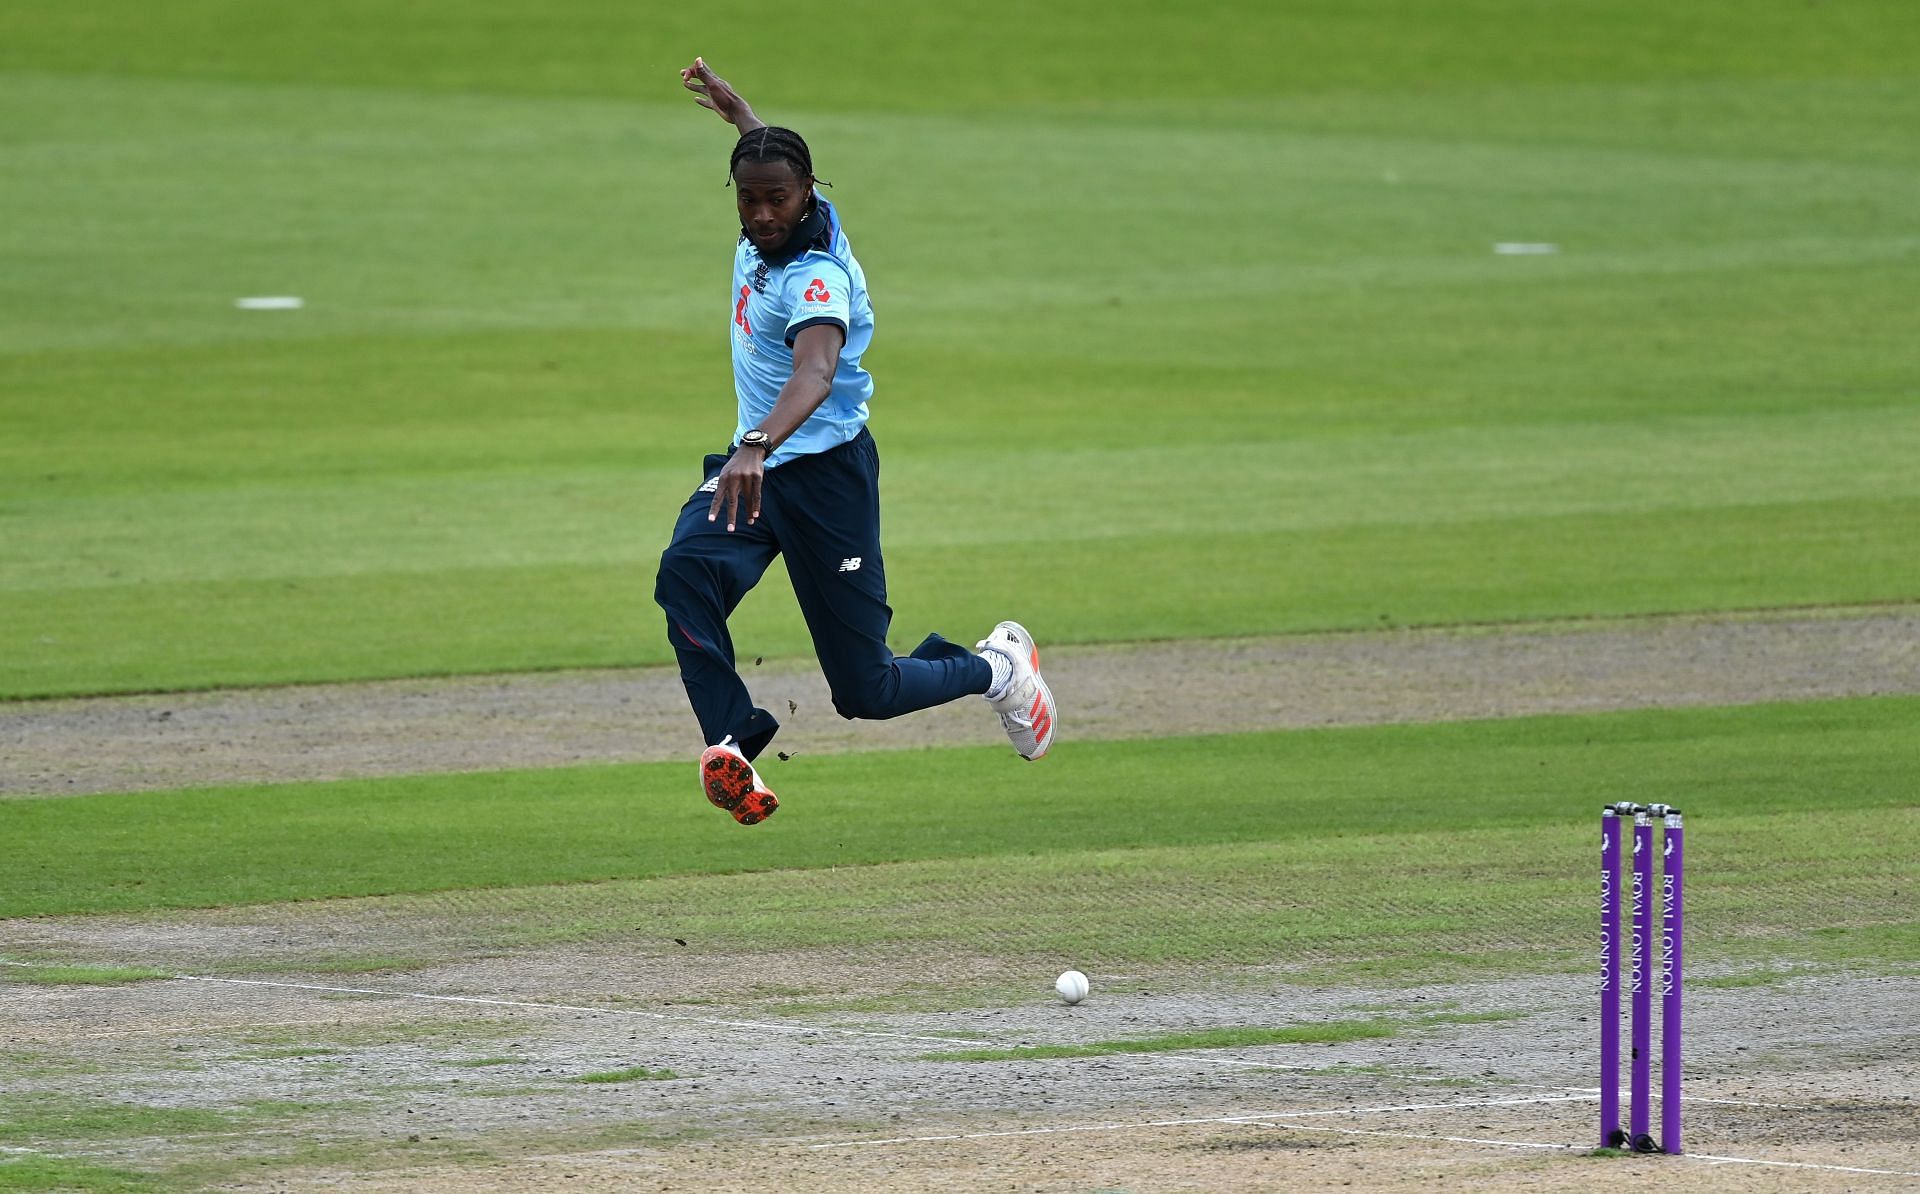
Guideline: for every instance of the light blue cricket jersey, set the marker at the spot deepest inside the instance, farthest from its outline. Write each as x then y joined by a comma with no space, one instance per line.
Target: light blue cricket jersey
775,296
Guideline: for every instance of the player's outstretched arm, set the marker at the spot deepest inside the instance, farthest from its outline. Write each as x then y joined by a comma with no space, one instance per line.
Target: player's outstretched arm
717,95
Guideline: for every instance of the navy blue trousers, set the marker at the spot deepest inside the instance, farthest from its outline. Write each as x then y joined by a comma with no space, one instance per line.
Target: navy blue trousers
822,512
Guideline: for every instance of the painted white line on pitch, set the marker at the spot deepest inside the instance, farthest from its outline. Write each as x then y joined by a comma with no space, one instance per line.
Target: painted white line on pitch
1211,1119
1626,1094
1713,1160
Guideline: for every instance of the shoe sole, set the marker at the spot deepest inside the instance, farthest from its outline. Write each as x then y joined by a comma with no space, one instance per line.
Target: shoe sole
728,781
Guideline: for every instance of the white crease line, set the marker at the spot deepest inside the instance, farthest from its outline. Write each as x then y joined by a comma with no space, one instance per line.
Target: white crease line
1223,1119
1711,1159
1690,1098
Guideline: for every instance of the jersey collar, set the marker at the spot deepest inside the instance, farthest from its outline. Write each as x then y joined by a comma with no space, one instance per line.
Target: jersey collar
802,238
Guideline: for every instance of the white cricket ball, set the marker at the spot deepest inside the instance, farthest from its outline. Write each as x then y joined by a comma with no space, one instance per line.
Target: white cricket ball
1072,986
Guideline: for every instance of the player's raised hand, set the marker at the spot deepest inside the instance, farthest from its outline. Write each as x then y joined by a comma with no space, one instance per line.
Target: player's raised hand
717,95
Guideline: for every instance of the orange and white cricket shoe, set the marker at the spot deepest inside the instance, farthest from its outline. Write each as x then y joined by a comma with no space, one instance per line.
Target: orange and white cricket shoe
732,784
1025,704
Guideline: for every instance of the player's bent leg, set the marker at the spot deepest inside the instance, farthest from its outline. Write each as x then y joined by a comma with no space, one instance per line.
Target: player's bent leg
870,683
827,512
1021,697
848,617
704,573
697,628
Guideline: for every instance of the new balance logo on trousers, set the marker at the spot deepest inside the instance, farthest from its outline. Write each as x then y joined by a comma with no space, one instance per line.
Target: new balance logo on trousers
850,564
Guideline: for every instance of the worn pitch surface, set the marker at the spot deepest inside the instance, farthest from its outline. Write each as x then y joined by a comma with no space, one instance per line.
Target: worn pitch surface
820,1069
761,1098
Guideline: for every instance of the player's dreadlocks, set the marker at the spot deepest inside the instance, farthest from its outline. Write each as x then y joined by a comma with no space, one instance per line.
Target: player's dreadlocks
770,143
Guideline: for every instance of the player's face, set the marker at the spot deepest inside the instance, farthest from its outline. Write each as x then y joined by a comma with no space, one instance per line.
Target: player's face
771,199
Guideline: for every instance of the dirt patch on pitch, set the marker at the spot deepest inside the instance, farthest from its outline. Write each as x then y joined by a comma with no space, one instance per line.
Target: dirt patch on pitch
482,1090
1125,691
808,1070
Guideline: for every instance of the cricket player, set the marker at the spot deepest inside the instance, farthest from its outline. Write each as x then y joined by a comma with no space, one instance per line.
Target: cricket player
801,480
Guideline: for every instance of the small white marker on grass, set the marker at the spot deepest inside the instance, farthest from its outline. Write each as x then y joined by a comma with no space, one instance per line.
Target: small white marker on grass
1522,248
270,302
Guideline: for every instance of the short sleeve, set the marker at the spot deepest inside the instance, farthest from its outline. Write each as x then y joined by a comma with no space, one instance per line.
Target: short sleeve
818,291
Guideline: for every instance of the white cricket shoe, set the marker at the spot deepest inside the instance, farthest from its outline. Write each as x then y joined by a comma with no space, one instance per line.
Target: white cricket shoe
1025,705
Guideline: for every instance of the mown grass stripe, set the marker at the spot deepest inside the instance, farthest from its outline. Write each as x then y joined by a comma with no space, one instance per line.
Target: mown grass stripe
262,844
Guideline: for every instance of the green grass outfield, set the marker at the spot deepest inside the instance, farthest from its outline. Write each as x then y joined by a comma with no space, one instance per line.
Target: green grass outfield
1189,322
1360,850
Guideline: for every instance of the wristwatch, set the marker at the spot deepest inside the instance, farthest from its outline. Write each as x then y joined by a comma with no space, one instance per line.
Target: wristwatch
757,439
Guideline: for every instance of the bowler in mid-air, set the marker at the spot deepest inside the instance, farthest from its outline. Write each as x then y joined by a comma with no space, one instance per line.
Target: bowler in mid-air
801,479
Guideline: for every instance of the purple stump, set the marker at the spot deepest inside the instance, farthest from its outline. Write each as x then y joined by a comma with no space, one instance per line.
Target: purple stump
1641,990
1610,877
1671,918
